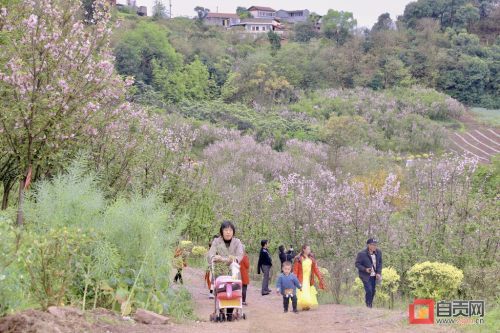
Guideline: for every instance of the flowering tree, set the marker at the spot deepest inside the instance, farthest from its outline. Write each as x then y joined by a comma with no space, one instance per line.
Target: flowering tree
56,76
335,217
242,172
444,216
293,197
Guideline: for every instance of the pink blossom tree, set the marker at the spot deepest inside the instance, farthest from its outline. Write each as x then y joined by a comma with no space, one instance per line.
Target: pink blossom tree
334,217
56,77
444,216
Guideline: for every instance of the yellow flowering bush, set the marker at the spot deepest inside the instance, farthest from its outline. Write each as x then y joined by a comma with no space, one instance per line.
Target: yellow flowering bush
385,291
390,280
434,280
357,288
186,244
199,251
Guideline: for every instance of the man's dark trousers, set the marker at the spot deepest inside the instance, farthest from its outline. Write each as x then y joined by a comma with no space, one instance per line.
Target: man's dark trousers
369,290
266,270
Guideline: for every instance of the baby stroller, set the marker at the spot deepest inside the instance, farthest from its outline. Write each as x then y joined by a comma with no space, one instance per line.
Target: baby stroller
227,290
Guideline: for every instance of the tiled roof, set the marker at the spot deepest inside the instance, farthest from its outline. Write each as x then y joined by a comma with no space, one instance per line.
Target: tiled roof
267,9
223,15
292,11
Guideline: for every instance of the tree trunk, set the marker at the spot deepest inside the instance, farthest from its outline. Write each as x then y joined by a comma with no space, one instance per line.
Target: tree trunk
20,203
6,192
23,184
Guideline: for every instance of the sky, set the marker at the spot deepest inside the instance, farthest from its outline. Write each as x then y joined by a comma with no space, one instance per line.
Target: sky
365,12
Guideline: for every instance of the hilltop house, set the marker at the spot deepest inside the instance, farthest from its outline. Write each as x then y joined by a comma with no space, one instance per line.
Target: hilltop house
222,19
259,25
262,12
293,16
131,4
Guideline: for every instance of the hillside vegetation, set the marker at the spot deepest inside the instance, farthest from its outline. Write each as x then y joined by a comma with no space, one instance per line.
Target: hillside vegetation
118,143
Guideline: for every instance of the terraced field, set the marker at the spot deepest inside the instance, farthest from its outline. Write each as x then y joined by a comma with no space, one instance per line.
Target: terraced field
480,141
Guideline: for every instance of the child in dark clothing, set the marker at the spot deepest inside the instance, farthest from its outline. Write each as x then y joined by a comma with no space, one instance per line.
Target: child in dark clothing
286,284
179,263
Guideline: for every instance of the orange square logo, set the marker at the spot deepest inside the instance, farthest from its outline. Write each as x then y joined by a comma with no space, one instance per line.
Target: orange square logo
421,311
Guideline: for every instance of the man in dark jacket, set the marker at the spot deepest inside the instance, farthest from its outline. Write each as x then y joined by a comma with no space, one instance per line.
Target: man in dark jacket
265,263
369,265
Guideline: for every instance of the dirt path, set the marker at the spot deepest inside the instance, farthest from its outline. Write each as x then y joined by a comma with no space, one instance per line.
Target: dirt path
264,313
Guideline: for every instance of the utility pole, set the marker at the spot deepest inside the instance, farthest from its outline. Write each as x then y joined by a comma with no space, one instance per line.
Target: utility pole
170,8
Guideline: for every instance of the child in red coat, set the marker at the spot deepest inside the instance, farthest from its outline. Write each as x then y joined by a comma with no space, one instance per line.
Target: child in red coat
245,279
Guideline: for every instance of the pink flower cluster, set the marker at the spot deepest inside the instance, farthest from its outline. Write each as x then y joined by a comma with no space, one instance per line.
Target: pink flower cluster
59,81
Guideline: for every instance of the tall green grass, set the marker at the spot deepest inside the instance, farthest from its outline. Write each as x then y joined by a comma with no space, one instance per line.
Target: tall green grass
487,116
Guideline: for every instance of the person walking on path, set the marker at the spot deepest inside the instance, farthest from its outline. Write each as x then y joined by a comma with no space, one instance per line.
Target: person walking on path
286,286
305,268
264,265
369,265
180,262
245,279
225,250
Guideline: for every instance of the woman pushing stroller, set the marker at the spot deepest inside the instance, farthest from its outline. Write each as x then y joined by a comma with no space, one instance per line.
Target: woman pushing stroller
225,250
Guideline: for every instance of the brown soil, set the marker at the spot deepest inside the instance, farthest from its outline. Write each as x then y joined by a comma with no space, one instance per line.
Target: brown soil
479,140
264,313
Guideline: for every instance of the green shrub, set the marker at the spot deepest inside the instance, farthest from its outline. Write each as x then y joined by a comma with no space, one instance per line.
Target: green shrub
385,119
434,280
344,131
140,228
179,304
390,285
491,319
13,276
265,123
321,107
51,262
487,178
481,282
69,199
144,233
386,291
427,102
82,250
